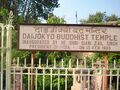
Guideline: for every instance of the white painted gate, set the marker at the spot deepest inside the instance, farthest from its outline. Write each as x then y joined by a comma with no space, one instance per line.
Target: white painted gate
5,51
64,76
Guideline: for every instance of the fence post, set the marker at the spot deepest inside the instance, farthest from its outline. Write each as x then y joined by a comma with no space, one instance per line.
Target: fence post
2,55
8,51
105,71
32,71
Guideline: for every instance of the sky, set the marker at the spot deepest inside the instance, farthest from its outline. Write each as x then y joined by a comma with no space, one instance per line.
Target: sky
84,8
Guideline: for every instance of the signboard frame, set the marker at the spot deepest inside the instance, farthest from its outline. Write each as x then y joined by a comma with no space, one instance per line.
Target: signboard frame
77,25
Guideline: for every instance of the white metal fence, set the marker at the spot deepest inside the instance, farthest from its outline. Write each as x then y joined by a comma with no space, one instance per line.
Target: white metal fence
5,53
61,76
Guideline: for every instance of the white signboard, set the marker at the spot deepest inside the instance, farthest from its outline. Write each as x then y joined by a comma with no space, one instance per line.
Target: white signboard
68,37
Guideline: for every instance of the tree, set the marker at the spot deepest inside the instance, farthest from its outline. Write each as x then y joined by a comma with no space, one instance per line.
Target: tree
3,15
55,20
99,17
25,11
30,9
113,17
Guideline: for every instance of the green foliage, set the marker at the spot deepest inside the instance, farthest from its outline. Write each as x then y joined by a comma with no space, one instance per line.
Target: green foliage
47,82
58,55
97,18
25,11
111,58
3,15
113,17
55,20
30,9
114,57
100,18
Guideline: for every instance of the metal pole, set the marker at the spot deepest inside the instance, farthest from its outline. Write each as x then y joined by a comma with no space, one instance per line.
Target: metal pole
105,71
2,55
8,51
32,71
76,18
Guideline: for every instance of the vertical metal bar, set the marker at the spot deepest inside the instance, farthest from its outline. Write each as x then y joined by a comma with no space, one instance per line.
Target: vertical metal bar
28,78
32,60
18,62
36,79
92,63
62,64
8,56
114,64
14,81
43,79
85,62
39,62
51,79
74,80
76,18
88,79
110,80
2,56
32,71
47,62
118,79
77,63
58,79
25,62
81,76
54,63
70,66
66,79
21,77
